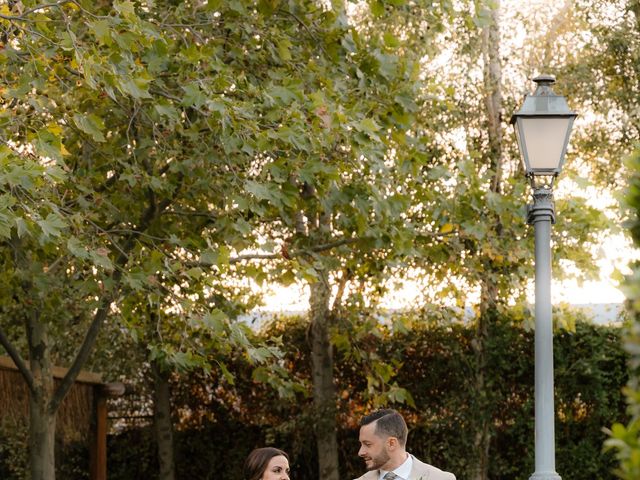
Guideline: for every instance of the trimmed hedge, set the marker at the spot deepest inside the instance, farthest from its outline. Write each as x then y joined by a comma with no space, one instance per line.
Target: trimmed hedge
435,364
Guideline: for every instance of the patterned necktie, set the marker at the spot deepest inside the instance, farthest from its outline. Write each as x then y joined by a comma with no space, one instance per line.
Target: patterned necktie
390,476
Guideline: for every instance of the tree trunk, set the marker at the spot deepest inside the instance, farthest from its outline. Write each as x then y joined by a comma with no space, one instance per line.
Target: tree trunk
44,400
489,289
324,393
162,423
482,435
42,429
42,418
493,93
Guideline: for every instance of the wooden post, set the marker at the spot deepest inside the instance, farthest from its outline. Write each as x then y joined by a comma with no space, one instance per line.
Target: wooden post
98,455
99,438
99,426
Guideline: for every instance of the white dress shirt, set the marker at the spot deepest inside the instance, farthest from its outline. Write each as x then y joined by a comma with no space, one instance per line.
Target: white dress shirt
403,471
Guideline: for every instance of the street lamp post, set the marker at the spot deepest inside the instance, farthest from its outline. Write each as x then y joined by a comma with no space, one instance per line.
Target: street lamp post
543,126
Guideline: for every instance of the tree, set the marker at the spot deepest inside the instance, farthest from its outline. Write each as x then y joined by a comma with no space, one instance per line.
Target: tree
141,147
478,187
603,78
111,149
332,190
625,439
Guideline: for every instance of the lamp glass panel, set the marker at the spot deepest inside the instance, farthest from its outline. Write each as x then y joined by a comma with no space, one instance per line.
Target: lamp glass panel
544,140
520,145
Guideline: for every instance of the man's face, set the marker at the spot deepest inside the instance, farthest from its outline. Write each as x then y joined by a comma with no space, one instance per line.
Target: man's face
373,448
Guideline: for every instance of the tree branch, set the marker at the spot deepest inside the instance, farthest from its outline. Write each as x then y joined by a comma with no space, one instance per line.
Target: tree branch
317,249
18,360
151,213
20,261
337,301
430,235
255,256
186,213
303,25
85,349
275,256
337,243
22,16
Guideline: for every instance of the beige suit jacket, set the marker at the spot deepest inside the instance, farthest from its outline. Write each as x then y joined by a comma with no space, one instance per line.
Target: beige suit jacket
419,471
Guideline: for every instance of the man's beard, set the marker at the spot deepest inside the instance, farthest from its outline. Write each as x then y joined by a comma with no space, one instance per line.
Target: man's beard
379,461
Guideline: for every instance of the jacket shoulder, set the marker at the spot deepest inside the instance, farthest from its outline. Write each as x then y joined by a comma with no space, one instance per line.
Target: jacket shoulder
432,473
368,476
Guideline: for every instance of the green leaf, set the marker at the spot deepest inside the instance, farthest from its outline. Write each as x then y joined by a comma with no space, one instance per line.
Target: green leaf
91,125
137,87
7,201
100,258
215,321
193,96
21,227
267,7
259,355
167,110
237,6
260,374
390,40
5,226
136,279
285,95
388,65
283,50
377,8
367,125
260,191
184,361
215,257
213,5
242,226
52,226
102,31
56,173
126,8
22,175
226,373
48,145
76,248
194,273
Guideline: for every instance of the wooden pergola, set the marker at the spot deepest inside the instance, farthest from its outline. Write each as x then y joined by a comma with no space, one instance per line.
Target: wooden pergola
82,414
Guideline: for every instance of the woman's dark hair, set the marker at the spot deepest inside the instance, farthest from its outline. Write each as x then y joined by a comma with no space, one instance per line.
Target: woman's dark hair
256,463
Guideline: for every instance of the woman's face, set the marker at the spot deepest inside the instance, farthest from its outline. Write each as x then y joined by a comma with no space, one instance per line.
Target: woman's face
277,469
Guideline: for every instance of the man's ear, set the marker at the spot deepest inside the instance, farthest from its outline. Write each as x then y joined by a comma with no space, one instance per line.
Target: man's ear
392,443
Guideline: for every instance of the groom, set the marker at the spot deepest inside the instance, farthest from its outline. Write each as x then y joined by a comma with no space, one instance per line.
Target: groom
383,437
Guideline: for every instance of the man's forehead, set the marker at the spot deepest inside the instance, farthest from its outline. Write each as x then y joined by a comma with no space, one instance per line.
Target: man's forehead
369,430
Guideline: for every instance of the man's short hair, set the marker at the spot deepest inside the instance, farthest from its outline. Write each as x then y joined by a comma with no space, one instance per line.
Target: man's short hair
389,423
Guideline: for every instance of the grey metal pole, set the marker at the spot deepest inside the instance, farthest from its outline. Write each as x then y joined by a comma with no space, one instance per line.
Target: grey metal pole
541,215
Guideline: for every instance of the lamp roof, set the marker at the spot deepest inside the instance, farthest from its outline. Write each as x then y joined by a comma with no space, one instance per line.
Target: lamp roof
544,102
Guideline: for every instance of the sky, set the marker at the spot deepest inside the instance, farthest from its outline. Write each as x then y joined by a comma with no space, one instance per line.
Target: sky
617,254
603,291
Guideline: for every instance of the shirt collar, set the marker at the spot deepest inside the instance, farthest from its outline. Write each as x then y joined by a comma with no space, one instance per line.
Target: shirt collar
403,471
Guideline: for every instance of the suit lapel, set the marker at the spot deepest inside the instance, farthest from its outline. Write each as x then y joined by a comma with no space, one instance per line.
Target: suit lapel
417,471
372,475
417,475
